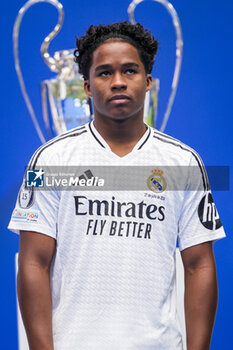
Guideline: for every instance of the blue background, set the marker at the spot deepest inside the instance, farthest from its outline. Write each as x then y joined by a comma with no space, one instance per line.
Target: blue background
201,116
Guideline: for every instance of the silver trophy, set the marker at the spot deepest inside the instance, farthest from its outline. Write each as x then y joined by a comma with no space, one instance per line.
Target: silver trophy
64,102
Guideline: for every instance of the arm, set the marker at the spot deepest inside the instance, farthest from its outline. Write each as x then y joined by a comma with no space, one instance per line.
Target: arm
33,284
201,295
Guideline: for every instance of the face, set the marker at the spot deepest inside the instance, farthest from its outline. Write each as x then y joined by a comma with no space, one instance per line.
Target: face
117,81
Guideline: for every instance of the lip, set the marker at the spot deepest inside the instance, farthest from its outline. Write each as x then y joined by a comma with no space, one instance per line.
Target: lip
119,98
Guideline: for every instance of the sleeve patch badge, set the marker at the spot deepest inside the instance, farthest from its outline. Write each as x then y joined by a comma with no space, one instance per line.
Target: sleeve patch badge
208,213
26,197
21,215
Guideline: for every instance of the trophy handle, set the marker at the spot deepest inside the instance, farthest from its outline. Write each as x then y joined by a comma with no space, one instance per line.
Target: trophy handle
179,51
45,113
51,62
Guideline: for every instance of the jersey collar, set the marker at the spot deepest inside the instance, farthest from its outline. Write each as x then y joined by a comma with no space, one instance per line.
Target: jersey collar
96,135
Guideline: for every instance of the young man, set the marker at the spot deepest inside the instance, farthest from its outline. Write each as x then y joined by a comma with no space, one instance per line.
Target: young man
97,269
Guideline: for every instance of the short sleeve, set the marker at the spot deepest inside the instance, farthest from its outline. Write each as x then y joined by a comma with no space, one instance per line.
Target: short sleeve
36,209
199,220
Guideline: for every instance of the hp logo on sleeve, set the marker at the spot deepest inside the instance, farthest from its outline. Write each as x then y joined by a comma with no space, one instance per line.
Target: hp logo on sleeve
208,213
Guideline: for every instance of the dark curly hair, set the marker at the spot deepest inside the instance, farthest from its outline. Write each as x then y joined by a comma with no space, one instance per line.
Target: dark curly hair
134,34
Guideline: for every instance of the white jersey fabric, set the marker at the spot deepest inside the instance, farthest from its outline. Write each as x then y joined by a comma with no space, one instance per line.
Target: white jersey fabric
113,274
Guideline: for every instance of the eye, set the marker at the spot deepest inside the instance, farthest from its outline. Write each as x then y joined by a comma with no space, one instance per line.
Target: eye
130,71
104,73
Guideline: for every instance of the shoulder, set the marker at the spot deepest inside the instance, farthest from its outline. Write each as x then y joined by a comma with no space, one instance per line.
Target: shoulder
175,149
173,152
58,147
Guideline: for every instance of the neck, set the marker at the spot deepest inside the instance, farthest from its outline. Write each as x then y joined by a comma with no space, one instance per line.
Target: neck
120,135
120,131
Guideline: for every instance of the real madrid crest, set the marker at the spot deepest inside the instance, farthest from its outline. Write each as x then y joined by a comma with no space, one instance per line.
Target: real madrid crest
156,181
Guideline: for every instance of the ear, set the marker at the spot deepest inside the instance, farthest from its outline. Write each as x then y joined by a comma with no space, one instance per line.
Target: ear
148,82
87,88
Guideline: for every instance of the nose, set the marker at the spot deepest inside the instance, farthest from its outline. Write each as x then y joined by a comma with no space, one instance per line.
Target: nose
118,82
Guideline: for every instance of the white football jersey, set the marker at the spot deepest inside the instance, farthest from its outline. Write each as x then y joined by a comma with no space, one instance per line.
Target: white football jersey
113,273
